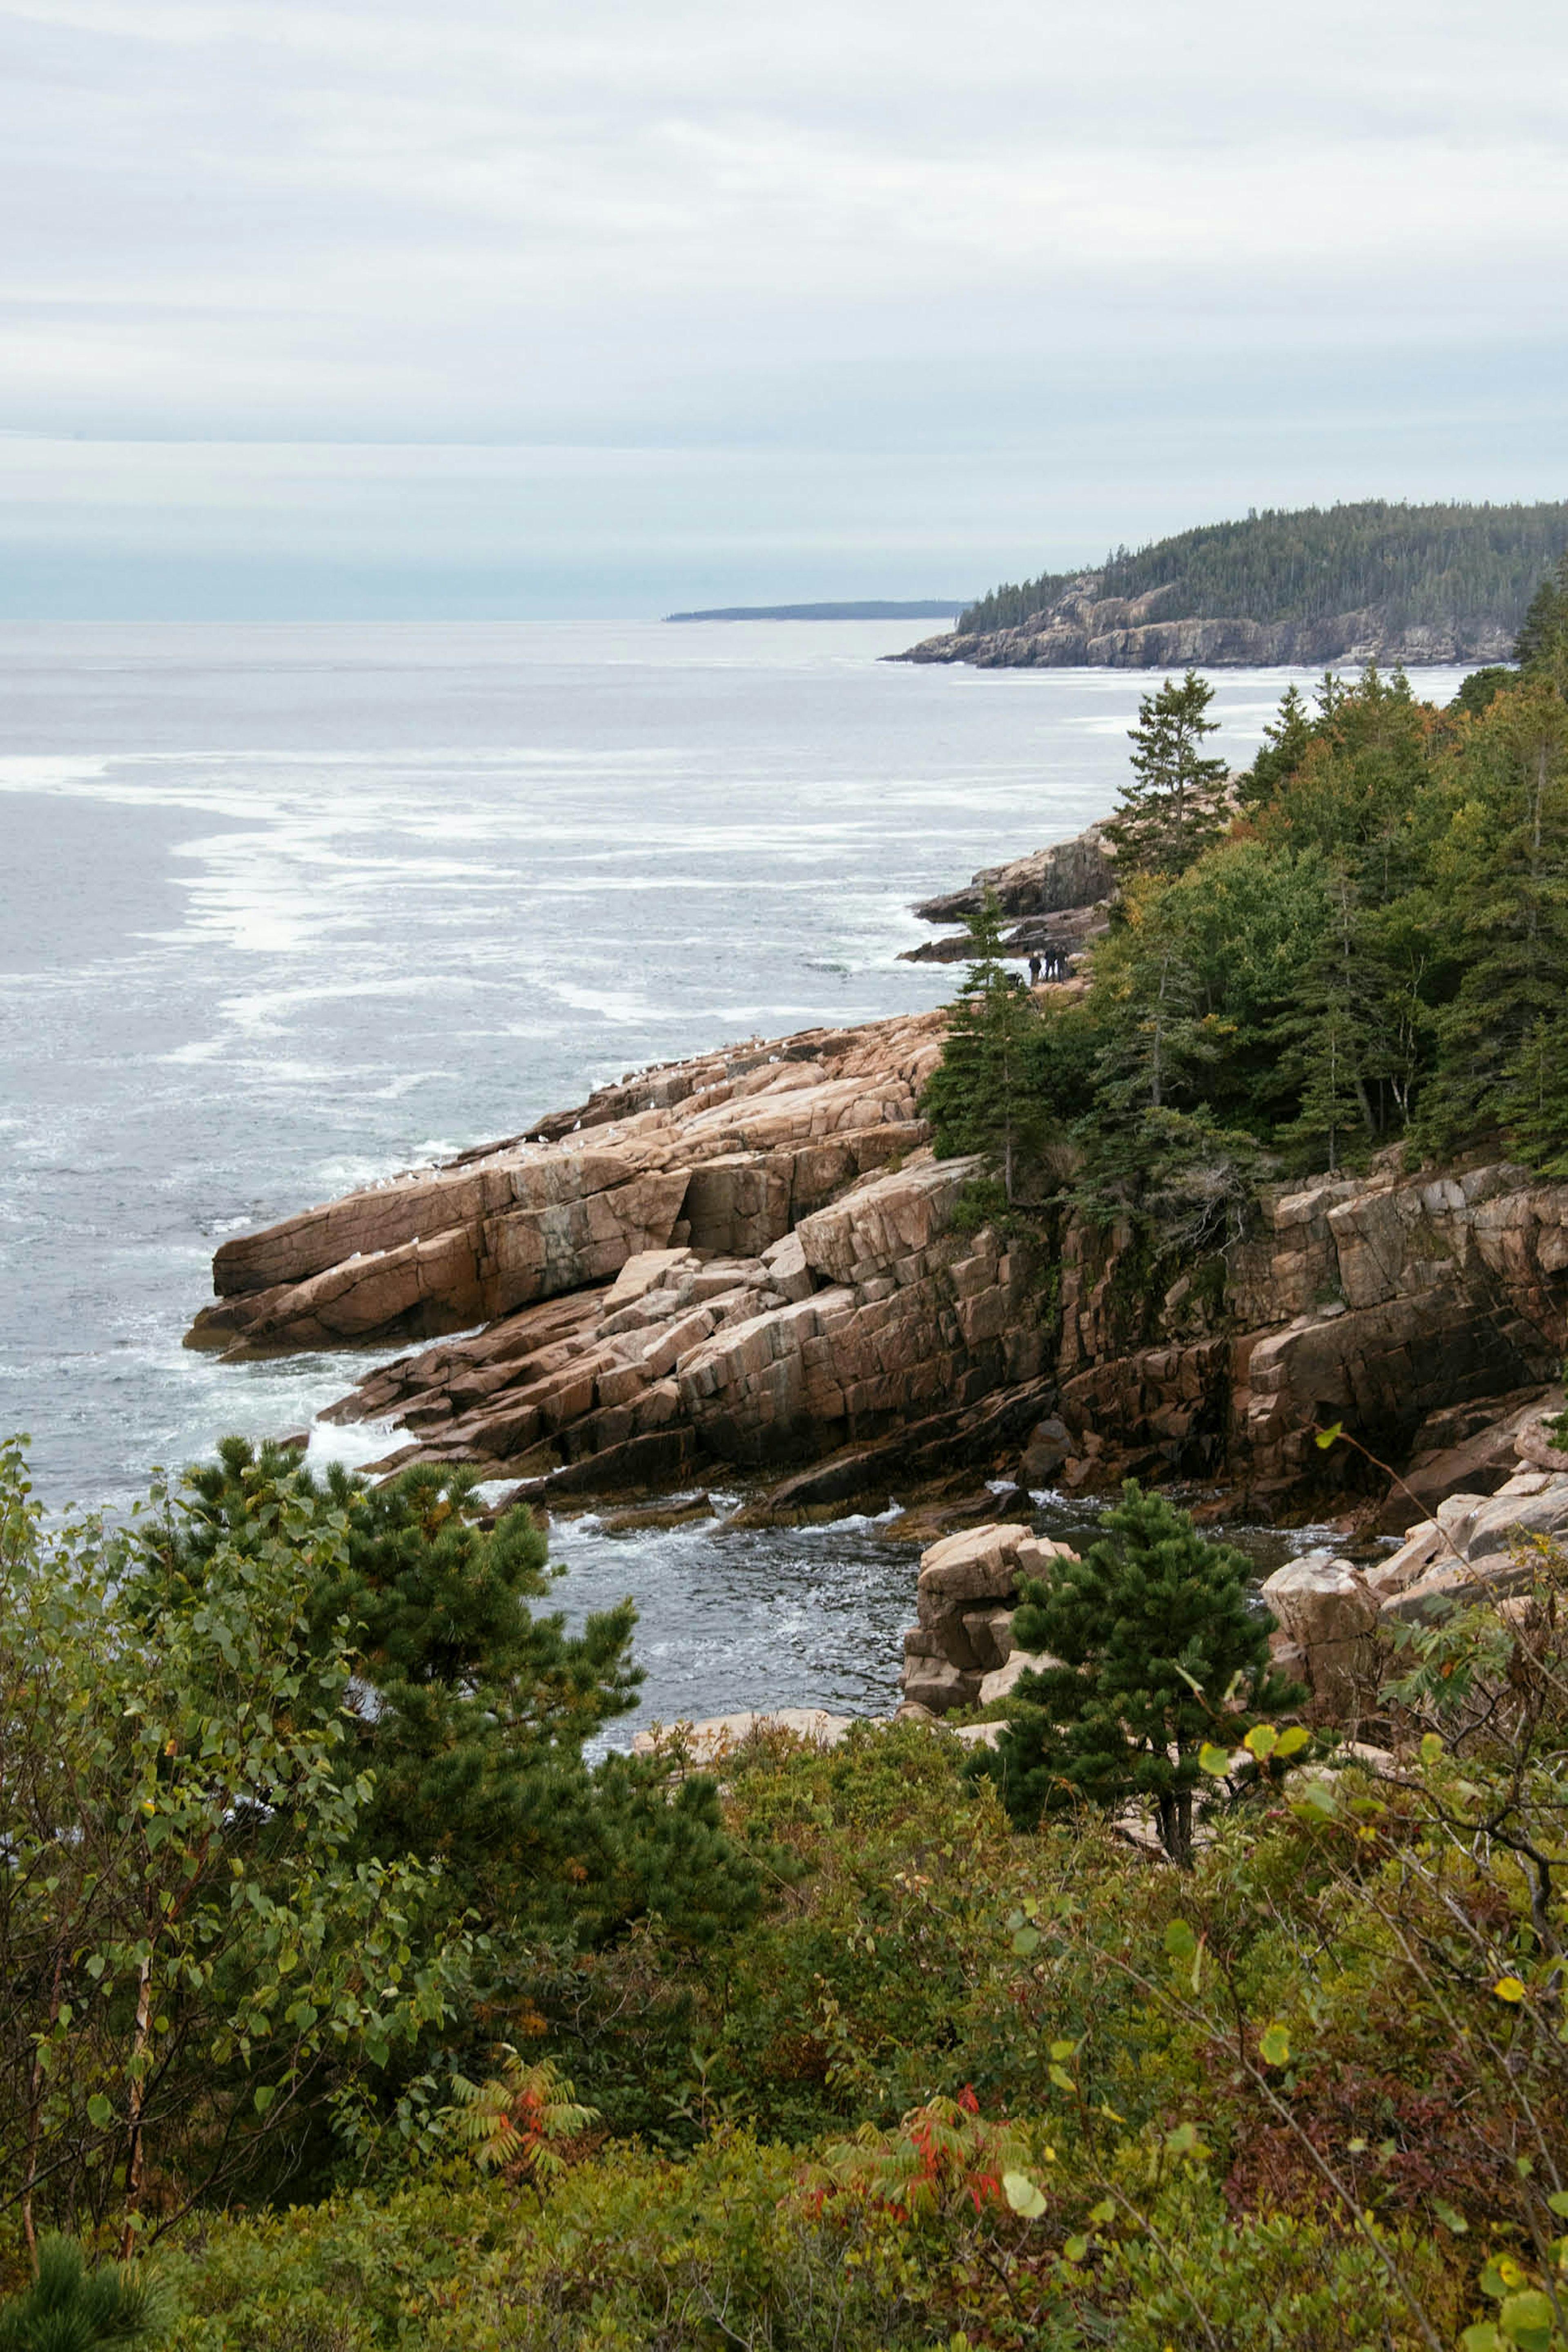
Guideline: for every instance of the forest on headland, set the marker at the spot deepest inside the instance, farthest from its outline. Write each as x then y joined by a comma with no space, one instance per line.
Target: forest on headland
1362,944
1422,564
349,1999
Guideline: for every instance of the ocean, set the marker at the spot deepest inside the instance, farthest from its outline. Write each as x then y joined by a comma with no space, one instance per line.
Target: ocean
288,909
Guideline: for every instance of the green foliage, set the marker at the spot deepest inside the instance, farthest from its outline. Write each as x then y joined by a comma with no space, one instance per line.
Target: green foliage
1542,643
191,1947
1152,1639
1479,689
980,1099
261,1877
470,1708
964,2085
1376,951
1432,563
1502,871
1172,810
68,2308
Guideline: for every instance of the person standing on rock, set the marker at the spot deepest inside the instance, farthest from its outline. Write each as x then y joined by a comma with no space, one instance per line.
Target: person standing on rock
1034,972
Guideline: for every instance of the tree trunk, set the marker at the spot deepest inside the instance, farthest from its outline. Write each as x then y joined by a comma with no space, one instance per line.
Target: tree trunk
134,2153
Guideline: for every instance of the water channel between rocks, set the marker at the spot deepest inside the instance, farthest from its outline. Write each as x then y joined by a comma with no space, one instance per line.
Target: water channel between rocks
740,1618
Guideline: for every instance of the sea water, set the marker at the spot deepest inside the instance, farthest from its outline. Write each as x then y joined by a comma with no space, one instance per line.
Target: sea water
288,909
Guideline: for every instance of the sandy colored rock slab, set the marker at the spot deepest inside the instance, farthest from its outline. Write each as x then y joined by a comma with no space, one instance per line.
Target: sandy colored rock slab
1005,1679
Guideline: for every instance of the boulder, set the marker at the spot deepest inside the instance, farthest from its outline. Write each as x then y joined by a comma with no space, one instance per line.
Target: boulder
1462,1449
939,1684
1328,1618
1003,1681
963,1603
989,1634
1048,1449
1422,1547
979,1564
1479,1547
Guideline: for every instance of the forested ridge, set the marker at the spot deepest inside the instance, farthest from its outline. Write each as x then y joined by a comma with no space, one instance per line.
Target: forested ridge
1418,563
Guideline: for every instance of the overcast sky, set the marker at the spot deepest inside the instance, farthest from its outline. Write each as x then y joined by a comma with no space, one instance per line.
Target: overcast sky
512,307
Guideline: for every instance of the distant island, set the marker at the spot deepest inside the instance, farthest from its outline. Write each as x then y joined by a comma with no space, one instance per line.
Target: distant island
923,608
1373,581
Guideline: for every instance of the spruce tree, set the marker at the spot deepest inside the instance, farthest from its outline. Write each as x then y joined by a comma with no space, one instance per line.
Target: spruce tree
981,1097
1324,1040
1286,740
1173,811
1505,880
1542,644
1155,1640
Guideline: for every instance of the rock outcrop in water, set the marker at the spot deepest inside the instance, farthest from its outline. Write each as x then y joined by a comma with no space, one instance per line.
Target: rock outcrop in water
1057,898
750,1257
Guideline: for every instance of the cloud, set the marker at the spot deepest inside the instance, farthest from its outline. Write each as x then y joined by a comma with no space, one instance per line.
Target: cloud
765,240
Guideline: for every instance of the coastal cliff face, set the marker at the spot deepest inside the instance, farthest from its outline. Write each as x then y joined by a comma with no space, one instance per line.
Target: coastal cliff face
753,1259
1084,629
1384,1303
750,1257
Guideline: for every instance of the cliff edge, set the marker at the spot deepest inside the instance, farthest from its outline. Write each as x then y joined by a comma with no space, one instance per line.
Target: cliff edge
1084,628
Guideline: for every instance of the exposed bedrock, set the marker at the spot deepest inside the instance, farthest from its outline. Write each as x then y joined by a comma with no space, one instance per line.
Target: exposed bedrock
1070,874
1083,628
753,1258
1377,1302
870,1317
724,1154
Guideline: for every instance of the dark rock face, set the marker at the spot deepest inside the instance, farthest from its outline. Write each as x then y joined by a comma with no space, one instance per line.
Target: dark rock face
1057,898
1374,1302
1084,629
1071,874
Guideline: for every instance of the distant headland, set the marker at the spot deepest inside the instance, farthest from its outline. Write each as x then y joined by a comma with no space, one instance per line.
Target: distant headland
1372,581
924,608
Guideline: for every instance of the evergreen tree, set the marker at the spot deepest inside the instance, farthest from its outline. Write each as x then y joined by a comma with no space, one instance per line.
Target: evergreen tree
1324,1039
1481,689
68,2308
1505,882
1286,740
471,1708
1154,1639
1542,643
981,1097
1173,811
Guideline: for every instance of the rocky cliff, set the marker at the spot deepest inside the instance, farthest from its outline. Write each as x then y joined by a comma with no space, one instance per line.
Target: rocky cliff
753,1258
1057,898
750,1257
1084,628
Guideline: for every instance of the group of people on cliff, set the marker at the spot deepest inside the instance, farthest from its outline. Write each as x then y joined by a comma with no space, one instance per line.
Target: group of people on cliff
1054,961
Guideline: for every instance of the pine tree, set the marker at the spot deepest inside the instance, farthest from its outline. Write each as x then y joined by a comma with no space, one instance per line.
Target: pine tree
1324,1039
1286,740
68,2308
980,1097
1154,1640
474,1707
1173,811
1506,877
